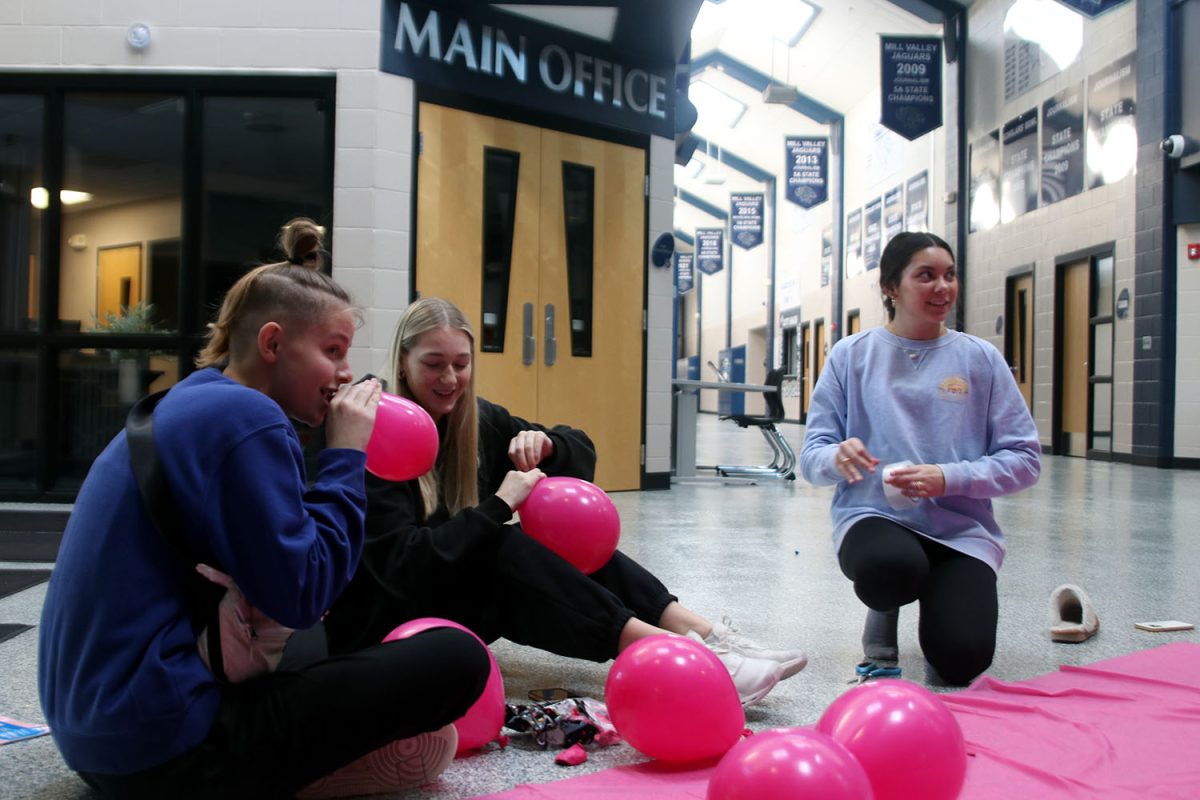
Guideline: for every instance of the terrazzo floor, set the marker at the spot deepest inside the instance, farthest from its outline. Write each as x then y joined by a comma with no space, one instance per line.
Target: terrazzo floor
761,554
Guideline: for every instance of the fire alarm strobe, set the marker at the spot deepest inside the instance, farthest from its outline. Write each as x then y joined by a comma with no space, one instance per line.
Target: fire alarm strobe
1193,251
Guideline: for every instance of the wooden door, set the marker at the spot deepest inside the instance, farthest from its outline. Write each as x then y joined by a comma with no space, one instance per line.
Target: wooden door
538,236
805,372
1019,341
1073,389
853,323
118,280
460,153
818,350
592,233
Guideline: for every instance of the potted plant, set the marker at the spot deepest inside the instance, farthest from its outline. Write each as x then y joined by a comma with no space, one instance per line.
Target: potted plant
132,365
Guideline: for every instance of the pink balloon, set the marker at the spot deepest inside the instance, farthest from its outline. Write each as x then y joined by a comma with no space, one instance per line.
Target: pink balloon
788,763
483,720
575,519
673,699
905,737
404,443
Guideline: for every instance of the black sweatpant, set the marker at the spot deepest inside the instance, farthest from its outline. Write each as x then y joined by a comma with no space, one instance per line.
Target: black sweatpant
891,566
277,733
513,586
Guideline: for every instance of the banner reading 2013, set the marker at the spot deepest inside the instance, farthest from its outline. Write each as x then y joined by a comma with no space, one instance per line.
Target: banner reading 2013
806,170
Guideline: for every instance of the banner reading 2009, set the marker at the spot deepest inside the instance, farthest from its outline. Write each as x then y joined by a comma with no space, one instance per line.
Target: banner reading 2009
911,84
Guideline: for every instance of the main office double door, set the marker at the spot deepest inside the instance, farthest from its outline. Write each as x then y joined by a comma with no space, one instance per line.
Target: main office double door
539,236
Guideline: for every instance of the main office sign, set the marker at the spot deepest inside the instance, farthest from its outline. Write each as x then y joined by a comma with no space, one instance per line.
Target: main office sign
474,49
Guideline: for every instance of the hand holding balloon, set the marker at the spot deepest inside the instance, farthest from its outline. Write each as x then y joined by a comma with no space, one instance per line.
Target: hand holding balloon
517,486
404,444
575,519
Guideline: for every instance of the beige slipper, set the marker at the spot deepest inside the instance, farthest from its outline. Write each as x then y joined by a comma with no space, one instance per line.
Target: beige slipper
1072,616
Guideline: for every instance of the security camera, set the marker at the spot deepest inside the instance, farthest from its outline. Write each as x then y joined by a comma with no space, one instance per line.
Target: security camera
1177,145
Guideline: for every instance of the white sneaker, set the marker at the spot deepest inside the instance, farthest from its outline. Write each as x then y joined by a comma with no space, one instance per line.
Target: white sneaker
726,636
402,764
753,678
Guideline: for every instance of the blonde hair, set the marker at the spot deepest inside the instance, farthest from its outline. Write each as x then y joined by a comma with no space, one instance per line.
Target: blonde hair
283,292
455,477
301,241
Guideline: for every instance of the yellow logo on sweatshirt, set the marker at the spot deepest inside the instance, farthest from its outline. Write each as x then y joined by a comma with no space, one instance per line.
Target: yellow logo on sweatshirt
953,388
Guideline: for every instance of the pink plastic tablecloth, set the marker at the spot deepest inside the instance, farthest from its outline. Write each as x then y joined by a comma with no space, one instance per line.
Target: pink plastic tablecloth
1120,729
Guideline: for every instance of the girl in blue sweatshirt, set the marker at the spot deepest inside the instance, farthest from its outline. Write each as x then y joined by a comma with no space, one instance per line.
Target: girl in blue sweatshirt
915,391
129,701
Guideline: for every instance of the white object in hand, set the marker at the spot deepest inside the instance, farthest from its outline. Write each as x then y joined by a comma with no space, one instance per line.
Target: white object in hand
896,498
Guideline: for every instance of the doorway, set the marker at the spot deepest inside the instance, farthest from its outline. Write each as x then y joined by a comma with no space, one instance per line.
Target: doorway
539,237
803,372
118,281
1018,333
1084,362
818,353
853,322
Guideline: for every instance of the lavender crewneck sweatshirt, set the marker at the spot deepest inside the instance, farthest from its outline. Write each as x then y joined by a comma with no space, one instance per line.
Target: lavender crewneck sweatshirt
950,401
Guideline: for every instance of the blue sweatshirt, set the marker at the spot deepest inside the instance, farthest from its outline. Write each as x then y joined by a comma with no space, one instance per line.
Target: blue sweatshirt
950,401
122,685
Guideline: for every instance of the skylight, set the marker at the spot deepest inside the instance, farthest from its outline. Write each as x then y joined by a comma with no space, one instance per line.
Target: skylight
714,106
787,20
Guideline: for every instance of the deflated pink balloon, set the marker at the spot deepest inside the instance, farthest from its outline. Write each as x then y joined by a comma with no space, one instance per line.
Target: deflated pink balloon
906,739
404,443
575,519
481,724
789,763
673,699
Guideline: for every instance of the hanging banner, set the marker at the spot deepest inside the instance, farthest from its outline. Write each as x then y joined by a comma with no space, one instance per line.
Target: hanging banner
985,182
826,255
872,233
854,264
685,278
911,84
916,207
1018,178
1093,8
1062,145
893,214
1112,129
746,220
806,165
710,250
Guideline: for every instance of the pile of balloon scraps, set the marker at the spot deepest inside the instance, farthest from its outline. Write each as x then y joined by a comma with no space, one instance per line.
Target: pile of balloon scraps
576,720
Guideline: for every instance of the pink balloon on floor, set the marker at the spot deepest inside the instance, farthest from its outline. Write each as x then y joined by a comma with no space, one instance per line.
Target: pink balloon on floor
483,720
905,737
673,699
404,443
788,763
575,519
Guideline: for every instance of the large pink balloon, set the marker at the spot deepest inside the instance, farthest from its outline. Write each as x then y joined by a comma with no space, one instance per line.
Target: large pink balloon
481,724
789,763
904,736
673,699
573,518
404,443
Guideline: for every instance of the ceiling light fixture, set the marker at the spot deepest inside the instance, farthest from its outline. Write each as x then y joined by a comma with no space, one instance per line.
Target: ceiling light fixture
39,198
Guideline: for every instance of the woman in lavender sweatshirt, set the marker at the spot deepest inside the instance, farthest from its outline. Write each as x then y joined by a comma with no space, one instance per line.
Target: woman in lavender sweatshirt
915,391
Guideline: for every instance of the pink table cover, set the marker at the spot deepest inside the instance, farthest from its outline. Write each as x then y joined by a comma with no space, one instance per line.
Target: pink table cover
1124,728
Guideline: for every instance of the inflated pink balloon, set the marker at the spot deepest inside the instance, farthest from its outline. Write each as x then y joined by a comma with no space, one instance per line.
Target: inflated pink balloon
788,763
404,443
575,519
905,737
481,724
673,699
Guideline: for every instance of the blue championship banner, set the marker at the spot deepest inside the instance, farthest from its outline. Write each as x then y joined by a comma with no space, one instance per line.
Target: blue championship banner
710,250
1111,123
1062,145
746,220
1019,174
893,213
806,169
911,84
685,278
826,255
916,205
872,233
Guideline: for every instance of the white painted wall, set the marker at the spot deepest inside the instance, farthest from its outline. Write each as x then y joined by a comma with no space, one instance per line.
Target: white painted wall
1187,346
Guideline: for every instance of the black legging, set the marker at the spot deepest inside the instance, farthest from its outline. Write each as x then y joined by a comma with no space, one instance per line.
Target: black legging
280,732
891,566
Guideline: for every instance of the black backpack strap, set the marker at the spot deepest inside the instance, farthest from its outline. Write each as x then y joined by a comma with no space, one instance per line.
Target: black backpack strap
203,596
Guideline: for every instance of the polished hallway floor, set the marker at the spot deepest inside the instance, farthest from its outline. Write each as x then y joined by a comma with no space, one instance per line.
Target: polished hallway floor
762,554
